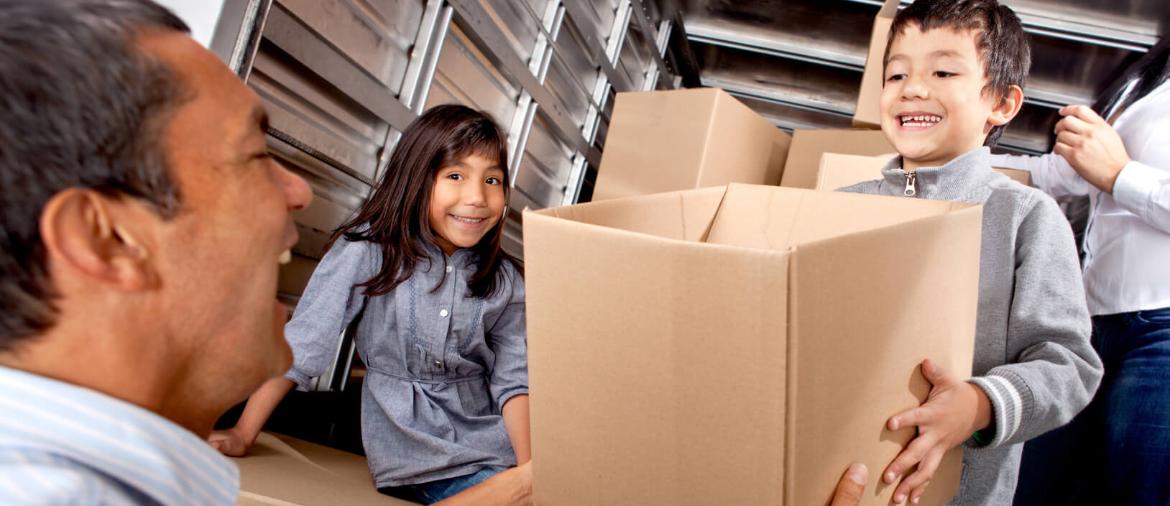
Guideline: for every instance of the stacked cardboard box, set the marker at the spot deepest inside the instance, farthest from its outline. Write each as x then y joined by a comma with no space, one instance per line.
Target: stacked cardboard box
662,141
739,345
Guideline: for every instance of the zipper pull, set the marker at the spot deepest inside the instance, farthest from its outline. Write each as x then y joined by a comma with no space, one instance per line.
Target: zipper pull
911,180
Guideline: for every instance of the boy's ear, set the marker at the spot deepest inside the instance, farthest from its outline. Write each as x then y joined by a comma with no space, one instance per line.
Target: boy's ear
1008,106
92,238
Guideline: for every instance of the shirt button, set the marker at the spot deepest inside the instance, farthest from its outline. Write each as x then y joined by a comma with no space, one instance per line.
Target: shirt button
438,364
448,268
443,313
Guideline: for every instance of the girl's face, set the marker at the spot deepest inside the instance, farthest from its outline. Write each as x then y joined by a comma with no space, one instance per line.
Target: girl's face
466,202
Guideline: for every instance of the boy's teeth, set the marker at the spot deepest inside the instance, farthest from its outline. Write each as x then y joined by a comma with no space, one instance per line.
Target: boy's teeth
285,257
921,120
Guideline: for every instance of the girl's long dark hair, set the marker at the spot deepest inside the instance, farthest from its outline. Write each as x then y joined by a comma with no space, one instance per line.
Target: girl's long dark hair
395,216
1145,74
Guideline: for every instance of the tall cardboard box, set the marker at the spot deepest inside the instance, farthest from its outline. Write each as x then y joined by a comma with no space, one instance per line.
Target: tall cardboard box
804,156
739,345
867,114
663,141
838,170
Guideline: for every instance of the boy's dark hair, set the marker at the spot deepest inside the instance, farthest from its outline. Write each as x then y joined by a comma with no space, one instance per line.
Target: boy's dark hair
1000,40
396,216
80,107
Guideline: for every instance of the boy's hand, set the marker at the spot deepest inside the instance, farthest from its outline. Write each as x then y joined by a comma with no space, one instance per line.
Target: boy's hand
229,442
952,412
1091,146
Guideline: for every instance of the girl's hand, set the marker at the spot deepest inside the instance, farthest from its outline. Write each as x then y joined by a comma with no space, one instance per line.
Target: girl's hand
229,442
954,410
1091,146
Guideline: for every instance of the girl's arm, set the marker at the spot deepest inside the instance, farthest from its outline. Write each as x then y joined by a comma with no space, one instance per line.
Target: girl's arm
507,338
236,440
330,301
516,423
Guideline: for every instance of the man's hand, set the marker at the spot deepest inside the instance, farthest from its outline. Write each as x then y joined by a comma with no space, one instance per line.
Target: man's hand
954,410
851,486
229,442
1091,146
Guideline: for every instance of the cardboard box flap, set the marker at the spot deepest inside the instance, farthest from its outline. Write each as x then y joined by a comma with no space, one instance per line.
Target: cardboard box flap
683,215
779,218
286,471
838,337
660,332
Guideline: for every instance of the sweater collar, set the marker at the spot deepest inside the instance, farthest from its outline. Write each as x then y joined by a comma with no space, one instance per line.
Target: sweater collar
962,179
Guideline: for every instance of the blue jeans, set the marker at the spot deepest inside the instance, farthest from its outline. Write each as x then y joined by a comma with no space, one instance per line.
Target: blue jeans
434,491
1117,451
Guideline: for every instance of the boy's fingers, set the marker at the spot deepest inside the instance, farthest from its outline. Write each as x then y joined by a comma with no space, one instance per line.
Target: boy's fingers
916,494
915,484
912,417
910,456
936,375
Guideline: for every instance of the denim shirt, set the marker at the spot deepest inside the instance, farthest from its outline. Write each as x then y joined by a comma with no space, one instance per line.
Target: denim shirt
440,362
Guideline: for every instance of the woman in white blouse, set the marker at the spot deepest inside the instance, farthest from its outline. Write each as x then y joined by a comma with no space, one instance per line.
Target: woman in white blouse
1118,449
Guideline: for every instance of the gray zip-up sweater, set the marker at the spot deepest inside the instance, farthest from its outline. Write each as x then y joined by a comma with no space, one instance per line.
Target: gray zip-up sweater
1032,352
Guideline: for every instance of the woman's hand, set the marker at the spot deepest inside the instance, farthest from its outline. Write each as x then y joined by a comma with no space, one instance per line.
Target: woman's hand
1091,146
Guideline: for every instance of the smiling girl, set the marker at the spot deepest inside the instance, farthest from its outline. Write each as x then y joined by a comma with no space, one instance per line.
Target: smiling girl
445,400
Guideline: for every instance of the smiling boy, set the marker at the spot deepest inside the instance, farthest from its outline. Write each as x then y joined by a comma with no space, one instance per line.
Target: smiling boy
954,71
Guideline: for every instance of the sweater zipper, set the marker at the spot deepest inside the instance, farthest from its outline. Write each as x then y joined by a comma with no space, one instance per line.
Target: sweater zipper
911,181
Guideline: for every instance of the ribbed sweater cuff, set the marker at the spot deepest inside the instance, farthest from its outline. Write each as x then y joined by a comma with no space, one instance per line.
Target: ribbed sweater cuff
1009,396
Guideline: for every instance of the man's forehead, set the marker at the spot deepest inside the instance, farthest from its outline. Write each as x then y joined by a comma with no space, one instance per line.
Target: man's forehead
207,78
218,105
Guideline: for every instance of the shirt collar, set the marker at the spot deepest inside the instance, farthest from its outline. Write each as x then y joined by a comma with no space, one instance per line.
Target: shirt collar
123,441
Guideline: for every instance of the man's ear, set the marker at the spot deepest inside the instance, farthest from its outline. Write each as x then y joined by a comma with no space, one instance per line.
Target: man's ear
1008,106
92,235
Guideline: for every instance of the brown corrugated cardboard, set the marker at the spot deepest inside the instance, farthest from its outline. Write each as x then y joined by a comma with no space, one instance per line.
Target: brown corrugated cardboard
663,141
281,470
804,156
867,113
739,345
838,170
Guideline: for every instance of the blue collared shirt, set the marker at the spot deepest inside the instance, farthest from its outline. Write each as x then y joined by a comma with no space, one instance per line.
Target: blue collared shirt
64,444
440,363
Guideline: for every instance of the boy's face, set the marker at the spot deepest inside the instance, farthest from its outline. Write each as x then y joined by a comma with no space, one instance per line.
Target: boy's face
933,105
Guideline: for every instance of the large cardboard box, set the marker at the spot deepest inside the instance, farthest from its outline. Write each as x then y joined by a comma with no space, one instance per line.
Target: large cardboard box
739,345
662,141
804,156
285,471
838,170
867,114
